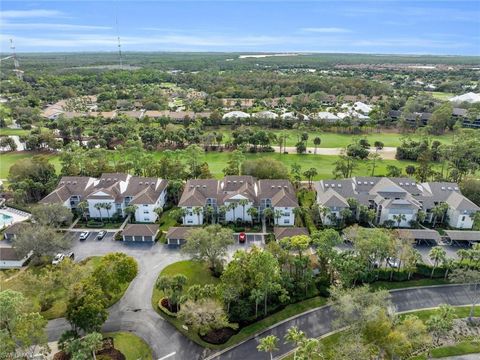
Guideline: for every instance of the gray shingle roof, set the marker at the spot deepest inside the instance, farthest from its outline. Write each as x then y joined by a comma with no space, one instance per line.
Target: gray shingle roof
283,232
117,186
460,235
366,189
196,192
140,230
460,202
180,232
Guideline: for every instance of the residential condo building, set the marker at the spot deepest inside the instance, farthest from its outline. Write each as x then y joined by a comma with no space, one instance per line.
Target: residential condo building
235,195
392,197
111,194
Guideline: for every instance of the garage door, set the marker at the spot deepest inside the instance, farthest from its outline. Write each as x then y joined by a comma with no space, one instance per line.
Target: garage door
138,238
127,238
147,238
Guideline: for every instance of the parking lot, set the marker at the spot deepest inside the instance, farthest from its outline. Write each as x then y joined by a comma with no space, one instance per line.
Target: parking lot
93,236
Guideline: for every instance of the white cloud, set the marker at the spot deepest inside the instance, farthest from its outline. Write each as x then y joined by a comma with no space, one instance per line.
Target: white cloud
326,30
97,40
50,26
19,14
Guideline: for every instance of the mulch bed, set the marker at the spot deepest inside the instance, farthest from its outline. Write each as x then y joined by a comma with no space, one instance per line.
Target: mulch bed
219,336
108,352
168,306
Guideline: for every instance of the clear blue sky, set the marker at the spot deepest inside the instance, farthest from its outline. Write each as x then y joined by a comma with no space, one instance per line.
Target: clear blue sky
392,27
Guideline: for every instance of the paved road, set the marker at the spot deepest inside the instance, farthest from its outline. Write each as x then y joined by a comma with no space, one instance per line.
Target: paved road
134,311
462,357
319,322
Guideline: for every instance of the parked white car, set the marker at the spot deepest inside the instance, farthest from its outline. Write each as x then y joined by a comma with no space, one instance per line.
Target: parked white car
58,259
84,235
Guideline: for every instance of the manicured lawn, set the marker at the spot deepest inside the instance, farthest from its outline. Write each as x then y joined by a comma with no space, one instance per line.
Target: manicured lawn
391,285
465,347
322,163
217,161
61,296
440,95
198,273
195,271
337,140
288,311
106,225
166,222
458,311
8,131
133,347
8,159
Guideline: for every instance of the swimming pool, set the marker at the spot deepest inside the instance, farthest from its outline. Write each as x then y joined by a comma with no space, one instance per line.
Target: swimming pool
5,219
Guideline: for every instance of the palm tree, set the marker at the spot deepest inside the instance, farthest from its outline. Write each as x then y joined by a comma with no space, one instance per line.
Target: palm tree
198,211
421,216
278,214
463,254
107,206
209,212
82,209
130,210
253,213
99,207
221,211
309,349
243,203
317,141
294,336
158,211
399,218
232,206
268,344
439,212
268,214
437,254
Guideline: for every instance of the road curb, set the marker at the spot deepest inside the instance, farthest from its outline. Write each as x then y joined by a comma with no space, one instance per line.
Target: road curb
223,351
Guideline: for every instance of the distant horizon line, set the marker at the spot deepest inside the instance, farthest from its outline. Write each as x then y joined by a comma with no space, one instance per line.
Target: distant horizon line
285,53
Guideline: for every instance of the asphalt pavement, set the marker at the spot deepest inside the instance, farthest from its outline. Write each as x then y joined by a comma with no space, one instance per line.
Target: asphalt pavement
319,321
134,312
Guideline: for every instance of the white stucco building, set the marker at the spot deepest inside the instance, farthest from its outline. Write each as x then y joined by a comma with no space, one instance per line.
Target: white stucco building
111,194
232,198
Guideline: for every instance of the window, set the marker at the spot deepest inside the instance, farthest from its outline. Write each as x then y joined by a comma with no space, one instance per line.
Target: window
145,205
286,214
146,212
286,221
190,221
146,219
463,218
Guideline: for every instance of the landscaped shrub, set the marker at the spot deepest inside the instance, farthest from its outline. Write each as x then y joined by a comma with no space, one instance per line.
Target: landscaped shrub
164,308
426,271
118,236
95,224
308,221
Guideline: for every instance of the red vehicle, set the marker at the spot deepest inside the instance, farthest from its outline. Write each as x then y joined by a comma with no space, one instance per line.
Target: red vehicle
242,237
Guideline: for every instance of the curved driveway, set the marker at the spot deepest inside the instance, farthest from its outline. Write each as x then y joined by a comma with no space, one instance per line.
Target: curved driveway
134,311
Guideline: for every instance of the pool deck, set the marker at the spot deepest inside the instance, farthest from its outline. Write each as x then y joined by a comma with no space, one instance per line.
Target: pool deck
15,215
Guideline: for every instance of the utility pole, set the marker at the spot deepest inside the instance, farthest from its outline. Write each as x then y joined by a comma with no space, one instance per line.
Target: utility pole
16,64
